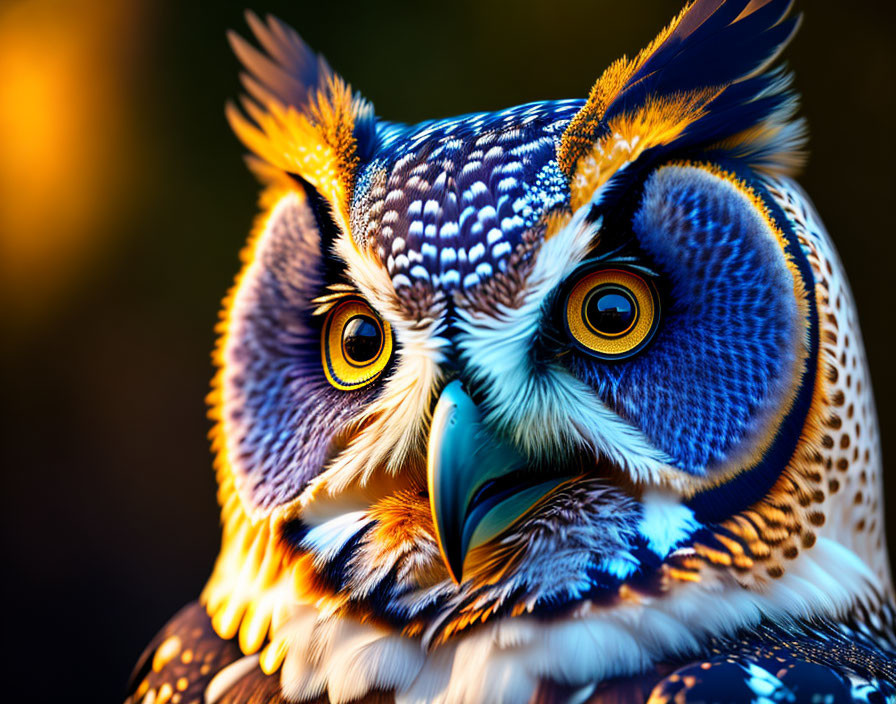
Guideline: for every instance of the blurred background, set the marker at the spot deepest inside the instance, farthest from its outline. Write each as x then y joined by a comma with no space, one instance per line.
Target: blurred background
124,203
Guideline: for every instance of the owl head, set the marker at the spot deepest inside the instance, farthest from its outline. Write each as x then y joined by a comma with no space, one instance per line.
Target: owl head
553,392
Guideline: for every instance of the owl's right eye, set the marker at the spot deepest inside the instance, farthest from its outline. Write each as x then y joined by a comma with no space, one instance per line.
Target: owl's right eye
611,313
356,345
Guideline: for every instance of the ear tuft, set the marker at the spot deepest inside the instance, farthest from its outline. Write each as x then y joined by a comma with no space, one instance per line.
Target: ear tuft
709,70
298,117
288,74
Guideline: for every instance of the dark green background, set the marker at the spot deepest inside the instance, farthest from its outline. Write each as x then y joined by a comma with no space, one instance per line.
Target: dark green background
109,517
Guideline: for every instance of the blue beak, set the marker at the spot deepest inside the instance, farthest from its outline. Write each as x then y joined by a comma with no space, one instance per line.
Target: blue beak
479,486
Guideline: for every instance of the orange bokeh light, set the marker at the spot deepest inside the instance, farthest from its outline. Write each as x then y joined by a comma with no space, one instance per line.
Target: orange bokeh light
65,166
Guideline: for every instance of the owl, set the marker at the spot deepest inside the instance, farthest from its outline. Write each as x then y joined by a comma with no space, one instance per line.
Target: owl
563,403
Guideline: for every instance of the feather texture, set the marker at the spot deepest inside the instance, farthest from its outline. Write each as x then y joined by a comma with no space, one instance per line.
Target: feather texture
704,85
713,521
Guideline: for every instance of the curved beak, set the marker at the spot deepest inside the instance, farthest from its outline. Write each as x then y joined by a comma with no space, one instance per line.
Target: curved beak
478,486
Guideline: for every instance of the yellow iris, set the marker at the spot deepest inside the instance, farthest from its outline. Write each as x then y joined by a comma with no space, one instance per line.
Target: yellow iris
355,346
612,313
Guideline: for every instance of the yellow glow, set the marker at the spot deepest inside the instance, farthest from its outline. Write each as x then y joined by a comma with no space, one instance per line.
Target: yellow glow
63,125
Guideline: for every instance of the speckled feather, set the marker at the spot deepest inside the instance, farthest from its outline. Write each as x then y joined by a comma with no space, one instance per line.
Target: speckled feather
806,662
447,202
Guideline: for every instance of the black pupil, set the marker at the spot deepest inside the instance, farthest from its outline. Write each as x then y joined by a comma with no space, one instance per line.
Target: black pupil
361,339
610,310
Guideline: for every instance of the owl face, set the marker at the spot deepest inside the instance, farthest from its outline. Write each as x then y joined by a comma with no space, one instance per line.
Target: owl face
559,360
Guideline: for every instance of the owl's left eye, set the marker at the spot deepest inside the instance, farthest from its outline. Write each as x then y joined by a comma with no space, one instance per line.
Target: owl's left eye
610,313
356,345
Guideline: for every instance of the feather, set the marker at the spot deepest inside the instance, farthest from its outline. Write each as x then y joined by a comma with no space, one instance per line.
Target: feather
703,84
298,115
729,45
289,71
